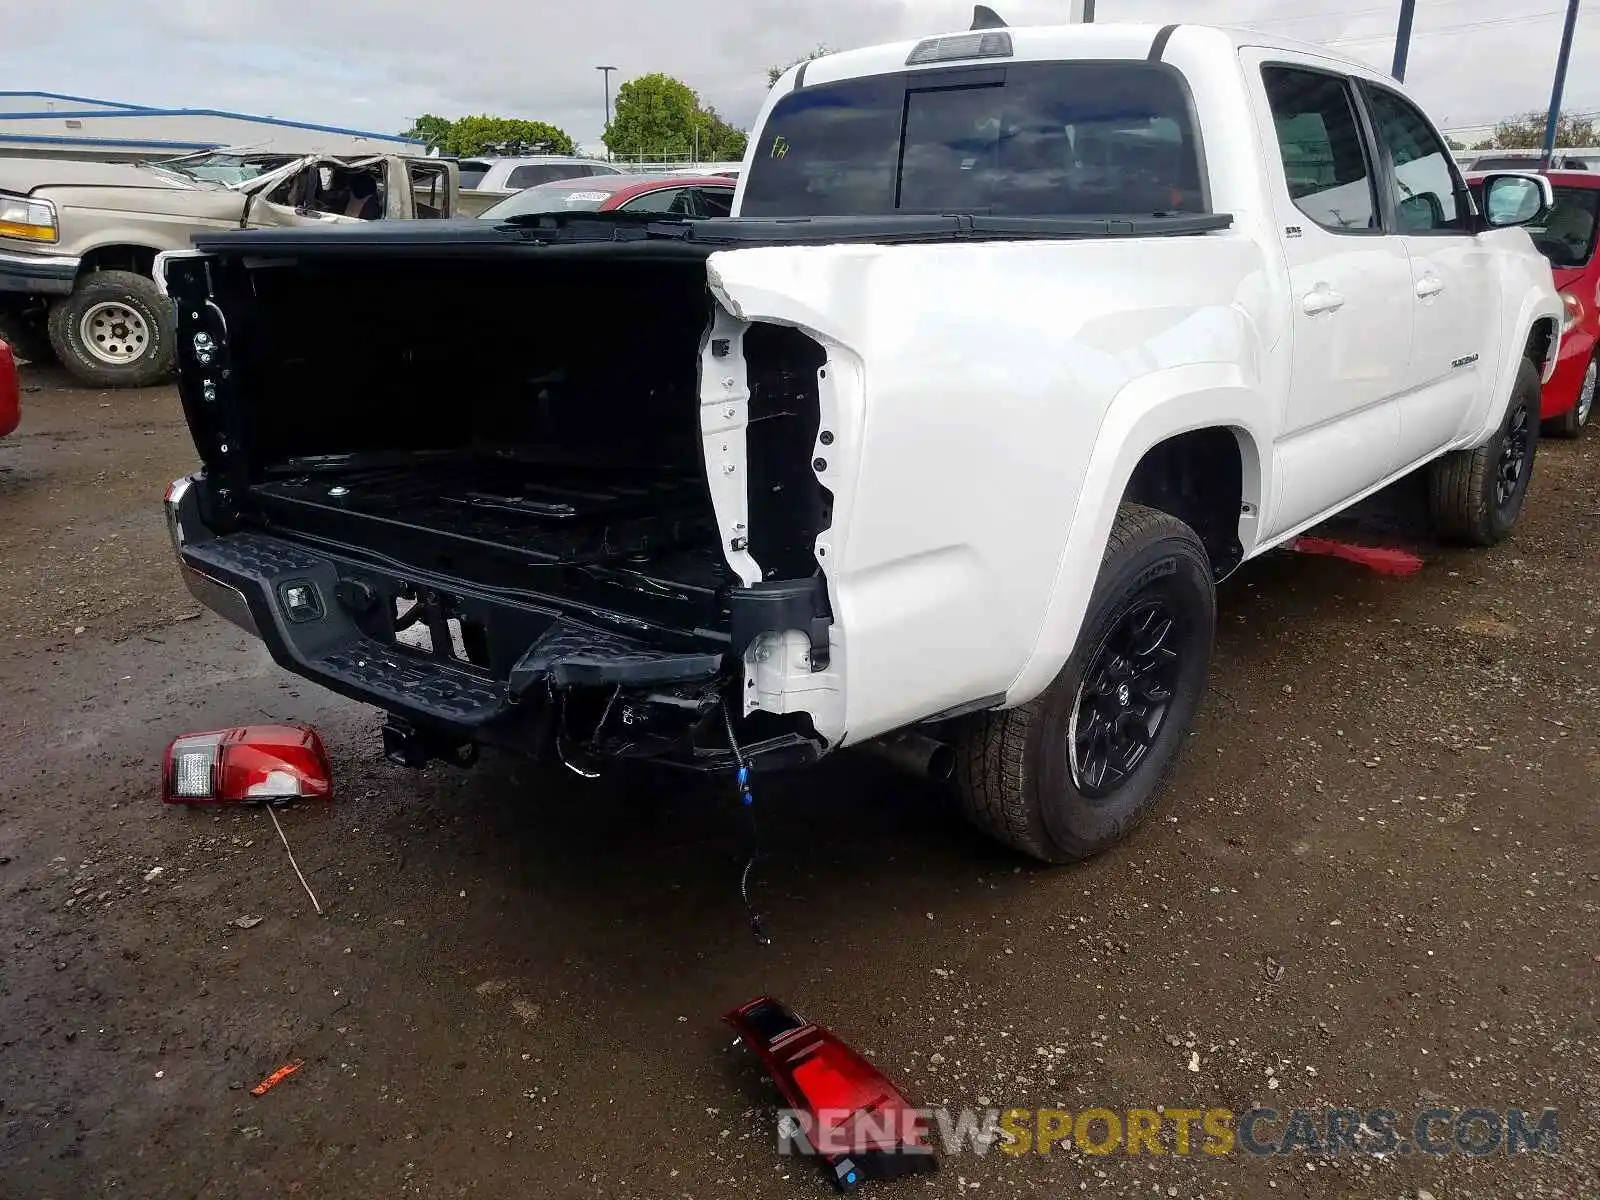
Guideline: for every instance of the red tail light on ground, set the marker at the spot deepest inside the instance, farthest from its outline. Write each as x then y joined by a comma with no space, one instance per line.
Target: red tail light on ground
247,763
842,1108
10,392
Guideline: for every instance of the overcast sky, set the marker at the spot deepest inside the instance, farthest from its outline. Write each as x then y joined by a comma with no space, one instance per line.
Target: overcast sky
374,64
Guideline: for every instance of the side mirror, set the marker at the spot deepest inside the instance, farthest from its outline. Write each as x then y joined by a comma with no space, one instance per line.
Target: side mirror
1510,200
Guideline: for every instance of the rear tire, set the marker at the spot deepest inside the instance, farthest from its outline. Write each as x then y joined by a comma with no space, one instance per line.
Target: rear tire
27,334
1047,778
115,330
1475,496
1571,423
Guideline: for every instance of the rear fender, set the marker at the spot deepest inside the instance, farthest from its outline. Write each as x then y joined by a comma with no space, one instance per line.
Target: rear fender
991,369
1148,411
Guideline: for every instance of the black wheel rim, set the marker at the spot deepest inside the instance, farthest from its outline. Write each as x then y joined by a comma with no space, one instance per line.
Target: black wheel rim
1513,465
1125,697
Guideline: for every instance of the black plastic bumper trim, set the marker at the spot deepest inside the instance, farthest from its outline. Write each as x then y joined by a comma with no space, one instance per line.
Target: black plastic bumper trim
780,606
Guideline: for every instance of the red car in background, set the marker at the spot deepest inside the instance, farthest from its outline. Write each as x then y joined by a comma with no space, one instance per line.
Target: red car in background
1567,239
10,391
669,195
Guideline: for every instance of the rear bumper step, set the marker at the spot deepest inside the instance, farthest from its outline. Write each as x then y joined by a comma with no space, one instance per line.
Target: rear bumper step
326,642
491,670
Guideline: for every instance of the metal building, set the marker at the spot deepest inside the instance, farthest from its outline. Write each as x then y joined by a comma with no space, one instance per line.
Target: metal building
54,126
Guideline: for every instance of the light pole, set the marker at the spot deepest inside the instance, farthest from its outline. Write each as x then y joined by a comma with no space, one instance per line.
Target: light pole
1081,13
1402,39
1560,85
606,73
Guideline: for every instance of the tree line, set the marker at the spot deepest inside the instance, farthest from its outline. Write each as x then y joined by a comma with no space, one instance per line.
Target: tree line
1526,132
654,116
657,116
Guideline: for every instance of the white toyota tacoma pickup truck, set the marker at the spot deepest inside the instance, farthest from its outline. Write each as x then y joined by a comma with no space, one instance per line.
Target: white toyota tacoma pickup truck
1018,342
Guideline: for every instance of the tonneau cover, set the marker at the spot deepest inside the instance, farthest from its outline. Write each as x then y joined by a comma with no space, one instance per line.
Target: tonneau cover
691,238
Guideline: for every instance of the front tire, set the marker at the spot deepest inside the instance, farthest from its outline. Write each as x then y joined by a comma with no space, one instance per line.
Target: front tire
1078,768
1476,495
115,330
1571,423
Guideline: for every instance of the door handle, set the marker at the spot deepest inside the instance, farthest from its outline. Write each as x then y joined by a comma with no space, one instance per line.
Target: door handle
1429,286
1321,299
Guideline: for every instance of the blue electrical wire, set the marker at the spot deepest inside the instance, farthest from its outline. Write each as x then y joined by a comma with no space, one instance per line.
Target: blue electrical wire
747,801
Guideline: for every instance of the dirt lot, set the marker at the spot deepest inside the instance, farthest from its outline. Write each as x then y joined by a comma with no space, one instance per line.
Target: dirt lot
1374,885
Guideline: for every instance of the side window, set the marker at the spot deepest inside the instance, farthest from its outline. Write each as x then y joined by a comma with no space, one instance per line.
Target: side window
674,201
715,202
1324,156
1429,196
429,188
533,176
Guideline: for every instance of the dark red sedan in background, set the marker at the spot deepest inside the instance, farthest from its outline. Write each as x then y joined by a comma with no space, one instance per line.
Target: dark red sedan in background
669,195
10,391
1567,239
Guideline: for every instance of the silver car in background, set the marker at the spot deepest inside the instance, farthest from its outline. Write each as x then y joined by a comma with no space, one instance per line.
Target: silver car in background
486,181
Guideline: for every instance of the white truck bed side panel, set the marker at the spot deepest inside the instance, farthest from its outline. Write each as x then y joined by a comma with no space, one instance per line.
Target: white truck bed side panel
982,398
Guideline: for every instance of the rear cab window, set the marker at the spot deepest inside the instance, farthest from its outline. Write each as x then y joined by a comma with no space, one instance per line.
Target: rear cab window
534,174
1075,138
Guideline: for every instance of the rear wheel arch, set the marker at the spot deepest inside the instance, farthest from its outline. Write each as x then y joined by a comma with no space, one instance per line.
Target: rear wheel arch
1208,478
1154,409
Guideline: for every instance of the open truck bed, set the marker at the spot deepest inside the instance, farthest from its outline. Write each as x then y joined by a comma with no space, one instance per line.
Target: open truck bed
465,477
528,483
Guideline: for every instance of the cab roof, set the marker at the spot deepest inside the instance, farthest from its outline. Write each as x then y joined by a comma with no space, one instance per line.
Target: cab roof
1053,42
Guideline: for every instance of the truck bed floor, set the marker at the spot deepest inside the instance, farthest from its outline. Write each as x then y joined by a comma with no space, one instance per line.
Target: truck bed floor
563,515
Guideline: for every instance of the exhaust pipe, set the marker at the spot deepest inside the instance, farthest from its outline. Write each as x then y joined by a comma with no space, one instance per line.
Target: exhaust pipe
915,754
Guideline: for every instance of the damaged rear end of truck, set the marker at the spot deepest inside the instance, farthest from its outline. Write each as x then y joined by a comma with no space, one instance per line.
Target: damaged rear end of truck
738,491
532,487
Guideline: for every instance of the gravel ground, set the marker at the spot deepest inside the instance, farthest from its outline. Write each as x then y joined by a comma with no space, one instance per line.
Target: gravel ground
1374,884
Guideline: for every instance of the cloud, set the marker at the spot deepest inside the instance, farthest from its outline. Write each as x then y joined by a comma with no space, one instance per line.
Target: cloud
378,63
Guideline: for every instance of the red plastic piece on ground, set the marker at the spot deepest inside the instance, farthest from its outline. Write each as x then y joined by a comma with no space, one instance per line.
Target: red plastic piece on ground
247,763
277,1077
843,1109
1383,559
10,392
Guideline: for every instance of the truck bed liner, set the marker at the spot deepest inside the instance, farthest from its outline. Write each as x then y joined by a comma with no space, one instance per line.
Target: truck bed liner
550,516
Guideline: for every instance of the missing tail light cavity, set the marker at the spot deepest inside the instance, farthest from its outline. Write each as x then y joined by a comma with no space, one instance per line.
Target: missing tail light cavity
789,507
